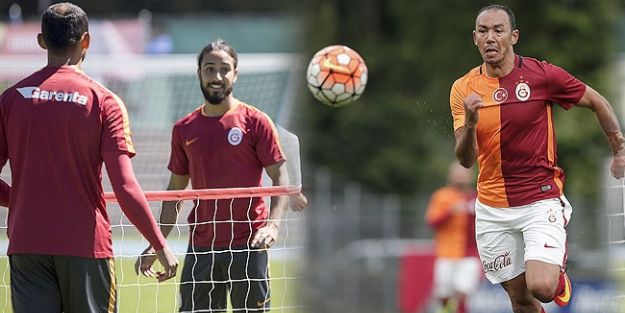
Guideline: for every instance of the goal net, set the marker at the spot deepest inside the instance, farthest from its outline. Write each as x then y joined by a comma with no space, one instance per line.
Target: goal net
157,91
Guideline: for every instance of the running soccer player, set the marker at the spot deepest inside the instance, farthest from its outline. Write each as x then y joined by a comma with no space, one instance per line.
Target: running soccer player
57,126
502,112
224,143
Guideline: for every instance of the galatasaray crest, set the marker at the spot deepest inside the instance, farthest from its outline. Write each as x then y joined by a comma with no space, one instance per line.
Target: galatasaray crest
522,91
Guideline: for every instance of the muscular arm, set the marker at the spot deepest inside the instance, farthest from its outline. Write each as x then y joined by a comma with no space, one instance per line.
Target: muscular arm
610,126
169,210
267,235
277,173
466,137
466,145
131,199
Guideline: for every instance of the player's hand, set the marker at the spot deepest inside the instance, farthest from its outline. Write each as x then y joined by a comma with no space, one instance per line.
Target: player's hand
458,207
144,263
618,166
169,262
265,236
472,103
298,202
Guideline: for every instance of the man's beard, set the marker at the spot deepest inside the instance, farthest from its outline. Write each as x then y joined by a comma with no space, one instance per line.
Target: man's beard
215,98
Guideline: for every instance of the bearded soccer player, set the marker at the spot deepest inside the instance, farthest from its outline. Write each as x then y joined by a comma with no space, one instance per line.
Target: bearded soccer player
57,127
502,112
224,143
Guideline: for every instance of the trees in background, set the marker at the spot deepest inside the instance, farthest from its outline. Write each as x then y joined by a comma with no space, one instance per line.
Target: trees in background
398,137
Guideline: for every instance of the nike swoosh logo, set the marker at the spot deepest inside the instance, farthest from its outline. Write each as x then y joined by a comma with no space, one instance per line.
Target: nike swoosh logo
549,246
262,303
337,68
189,142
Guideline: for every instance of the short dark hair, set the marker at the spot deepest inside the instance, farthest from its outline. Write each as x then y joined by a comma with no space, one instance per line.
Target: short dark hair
503,8
218,44
62,25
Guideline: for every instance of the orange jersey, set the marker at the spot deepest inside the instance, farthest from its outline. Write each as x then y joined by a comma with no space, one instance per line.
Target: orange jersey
516,140
455,230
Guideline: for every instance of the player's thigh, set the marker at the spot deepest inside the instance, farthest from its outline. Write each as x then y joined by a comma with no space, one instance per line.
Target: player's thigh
87,285
443,276
34,286
467,274
544,231
499,243
202,285
249,272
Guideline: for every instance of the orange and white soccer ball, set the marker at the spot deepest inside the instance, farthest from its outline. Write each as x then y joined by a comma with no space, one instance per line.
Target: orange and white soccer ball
337,75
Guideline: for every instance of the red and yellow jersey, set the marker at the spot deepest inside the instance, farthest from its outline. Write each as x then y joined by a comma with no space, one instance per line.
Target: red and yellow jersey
516,141
451,213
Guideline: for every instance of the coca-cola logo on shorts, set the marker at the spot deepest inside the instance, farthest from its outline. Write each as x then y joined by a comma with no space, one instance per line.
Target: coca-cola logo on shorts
498,263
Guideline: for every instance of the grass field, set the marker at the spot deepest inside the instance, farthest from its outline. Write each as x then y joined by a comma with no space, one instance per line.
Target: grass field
144,295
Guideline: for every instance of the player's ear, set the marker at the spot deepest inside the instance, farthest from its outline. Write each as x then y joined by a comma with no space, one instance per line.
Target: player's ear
85,40
199,74
515,36
474,40
41,42
236,74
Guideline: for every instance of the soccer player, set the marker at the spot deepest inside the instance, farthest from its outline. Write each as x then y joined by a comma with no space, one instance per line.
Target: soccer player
290,146
57,126
451,213
502,112
222,144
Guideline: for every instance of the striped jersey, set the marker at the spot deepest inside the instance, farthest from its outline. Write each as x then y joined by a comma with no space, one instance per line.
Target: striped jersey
55,127
517,154
451,213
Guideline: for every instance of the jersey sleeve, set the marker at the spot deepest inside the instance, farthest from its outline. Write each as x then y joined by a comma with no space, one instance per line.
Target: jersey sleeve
268,147
4,151
178,161
439,209
116,127
565,89
5,189
456,103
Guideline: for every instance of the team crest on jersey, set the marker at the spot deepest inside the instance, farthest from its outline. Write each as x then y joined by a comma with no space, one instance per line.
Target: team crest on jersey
500,95
522,91
235,136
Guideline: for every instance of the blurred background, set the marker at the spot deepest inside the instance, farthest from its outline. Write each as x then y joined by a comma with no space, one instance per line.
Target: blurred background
369,168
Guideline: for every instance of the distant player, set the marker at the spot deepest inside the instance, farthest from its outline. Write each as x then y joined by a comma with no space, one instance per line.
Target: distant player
291,148
225,143
502,113
451,212
57,126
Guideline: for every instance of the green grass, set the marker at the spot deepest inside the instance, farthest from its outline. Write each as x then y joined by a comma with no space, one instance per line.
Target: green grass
145,295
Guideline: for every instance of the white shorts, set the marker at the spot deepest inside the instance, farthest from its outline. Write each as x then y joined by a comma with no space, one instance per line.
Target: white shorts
452,276
508,237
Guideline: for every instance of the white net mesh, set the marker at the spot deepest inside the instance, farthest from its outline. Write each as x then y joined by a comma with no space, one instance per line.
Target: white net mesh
158,90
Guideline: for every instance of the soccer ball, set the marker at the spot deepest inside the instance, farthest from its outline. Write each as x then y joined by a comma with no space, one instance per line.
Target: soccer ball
336,75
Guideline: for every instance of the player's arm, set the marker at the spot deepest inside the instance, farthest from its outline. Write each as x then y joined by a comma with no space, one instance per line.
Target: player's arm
439,210
135,206
5,193
170,209
466,137
5,189
168,217
610,125
267,235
